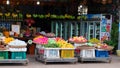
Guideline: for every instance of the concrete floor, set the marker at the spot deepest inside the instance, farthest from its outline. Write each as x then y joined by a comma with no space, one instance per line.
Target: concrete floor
36,64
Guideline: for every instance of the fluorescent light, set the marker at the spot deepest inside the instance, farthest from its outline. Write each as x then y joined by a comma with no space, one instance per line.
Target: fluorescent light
38,2
7,2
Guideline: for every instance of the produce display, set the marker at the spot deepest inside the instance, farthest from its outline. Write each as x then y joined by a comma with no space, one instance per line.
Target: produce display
17,45
7,40
104,46
51,44
94,40
17,42
63,44
41,40
90,44
79,39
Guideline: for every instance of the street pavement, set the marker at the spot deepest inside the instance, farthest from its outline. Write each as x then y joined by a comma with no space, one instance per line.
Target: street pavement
115,63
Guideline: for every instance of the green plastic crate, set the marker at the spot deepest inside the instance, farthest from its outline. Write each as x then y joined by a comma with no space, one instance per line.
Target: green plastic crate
18,55
3,54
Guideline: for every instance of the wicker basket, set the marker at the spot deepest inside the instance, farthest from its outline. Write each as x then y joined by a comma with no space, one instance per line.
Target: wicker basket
3,48
17,46
77,42
85,47
109,48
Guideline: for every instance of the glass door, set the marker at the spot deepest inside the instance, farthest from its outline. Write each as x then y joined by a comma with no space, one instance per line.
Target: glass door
91,30
97,30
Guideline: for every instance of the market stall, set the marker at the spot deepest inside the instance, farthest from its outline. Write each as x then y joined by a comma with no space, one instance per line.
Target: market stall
91,50
12,51
54,50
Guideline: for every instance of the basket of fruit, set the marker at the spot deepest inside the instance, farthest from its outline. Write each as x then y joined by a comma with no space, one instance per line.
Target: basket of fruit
78,40
105,47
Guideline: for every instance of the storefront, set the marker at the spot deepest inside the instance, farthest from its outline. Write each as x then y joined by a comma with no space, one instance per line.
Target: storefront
37,24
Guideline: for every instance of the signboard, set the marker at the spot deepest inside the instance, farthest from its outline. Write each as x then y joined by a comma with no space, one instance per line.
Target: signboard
106,28
16,28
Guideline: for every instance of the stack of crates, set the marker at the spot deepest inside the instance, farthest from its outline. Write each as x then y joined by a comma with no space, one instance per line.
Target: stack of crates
3,54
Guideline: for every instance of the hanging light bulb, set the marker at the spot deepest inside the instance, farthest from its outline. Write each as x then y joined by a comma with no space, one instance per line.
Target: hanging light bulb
38,2
104,1
7,2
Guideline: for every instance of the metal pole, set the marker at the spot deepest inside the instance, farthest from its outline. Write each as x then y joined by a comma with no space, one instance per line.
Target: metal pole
119,30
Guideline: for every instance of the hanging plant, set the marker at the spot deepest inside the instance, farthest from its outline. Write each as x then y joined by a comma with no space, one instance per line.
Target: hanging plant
47,15
20,15
35,15
28,15
62,16
41,16
53,16
7,14
66,15
14,15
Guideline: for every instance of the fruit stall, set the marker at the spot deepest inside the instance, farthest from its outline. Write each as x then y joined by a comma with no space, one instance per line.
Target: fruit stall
54,50
12,50
91,50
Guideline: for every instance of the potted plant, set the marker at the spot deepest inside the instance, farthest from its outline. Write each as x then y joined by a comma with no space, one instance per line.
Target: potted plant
114,35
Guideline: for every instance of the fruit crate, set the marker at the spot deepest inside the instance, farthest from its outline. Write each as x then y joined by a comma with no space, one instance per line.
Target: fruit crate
87,53
3,54
101,53
18,55
51,53
67,53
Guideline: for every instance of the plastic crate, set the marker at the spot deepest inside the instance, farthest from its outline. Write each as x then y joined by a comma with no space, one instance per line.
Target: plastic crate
3,54
18,55
51,53
101,53
87,53
67,53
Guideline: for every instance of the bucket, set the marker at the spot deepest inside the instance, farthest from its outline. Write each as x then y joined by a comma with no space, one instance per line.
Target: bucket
118,52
